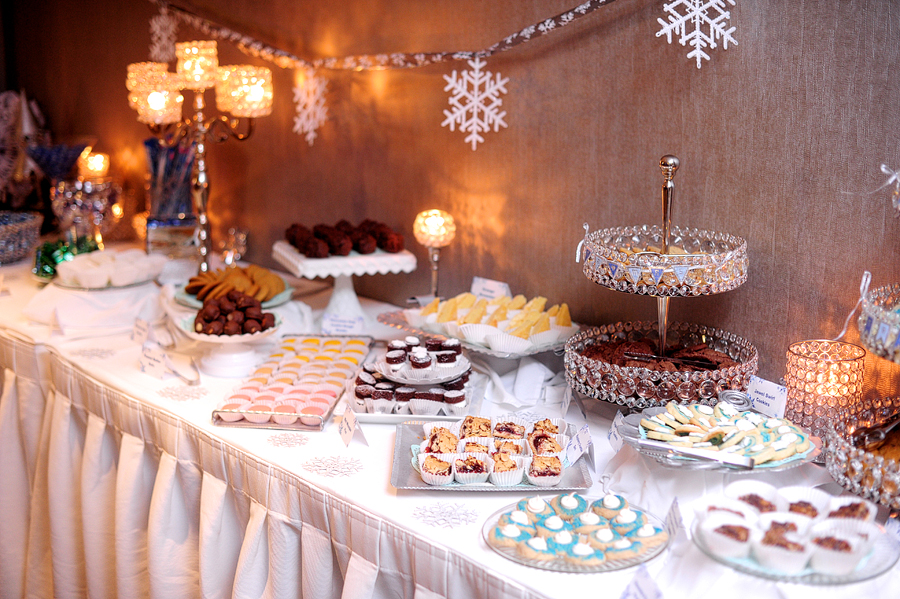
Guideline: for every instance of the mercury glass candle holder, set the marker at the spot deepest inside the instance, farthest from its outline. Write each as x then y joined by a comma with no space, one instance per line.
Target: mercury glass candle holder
198,64
244,91
824,383
434,229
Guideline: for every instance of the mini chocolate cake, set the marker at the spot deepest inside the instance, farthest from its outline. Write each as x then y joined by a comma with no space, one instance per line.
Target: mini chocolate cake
455,385
386,385
364,378
412,341
446,359
364,391
437,393
420,362
434,344
396,344
404,393
396,358
452,345
454,397
382,394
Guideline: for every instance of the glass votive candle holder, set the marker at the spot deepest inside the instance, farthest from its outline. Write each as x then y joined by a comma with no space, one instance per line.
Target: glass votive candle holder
824,383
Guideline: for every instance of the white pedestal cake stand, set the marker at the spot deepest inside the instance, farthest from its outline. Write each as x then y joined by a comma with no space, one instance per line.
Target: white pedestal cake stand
343,304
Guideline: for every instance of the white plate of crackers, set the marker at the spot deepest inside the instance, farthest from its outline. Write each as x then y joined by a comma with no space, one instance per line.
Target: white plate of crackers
256,281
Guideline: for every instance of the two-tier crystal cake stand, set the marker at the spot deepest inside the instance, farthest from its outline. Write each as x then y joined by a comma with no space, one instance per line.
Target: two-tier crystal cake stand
665,262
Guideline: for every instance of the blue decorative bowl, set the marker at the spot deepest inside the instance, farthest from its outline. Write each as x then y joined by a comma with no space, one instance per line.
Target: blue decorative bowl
20,233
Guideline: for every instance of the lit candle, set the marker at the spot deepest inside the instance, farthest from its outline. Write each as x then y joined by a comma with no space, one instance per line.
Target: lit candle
434,228
93,166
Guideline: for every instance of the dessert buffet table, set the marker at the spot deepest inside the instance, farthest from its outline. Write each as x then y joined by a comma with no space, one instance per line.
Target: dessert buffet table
116,483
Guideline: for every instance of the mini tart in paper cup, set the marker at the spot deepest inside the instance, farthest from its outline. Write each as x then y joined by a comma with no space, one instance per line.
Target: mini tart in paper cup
853,508
231,409
508,429
784,519
457,408
543,480
716,505
453,427
560,424
563,440
285,413
486,442
865,533
728,536
504,445
544,338
475,333
806,501
762,497
836,552
414,317
471,478
425,407
511,478
788,560
506,343
431,478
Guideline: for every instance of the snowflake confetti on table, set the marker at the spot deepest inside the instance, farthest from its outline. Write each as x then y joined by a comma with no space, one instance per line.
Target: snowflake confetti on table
333,466
475,102
309,98
162,36
289,440
698,14
182,393
445,515
94,353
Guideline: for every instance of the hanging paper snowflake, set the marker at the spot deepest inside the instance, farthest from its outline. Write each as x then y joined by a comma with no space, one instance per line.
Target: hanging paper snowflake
698,14
334,466
182,393
94,353
162,36
475,102
445,515
309,96
289,440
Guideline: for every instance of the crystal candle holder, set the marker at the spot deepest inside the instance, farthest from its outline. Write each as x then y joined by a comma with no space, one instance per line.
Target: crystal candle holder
157,97
244,91
879,322
824,383
198,64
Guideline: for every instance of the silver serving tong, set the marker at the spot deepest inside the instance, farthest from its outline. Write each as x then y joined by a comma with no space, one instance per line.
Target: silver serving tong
872,437
698,362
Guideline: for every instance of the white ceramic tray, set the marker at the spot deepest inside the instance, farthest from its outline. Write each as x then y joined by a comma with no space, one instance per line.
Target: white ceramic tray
379,262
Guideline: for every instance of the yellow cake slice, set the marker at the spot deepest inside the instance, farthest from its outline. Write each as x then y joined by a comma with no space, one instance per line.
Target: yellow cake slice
432,307
542,324
517,302
465,300
448,310
562,317
476,314
536,304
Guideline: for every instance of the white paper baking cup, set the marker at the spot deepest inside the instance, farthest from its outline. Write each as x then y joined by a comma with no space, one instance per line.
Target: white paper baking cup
564,333
475,333
121,275
285,417
382,406
741,488
837,563
230,416
817,497
453,427
506,343
425,407
450,329
802,522
511,477
544,338
780,559
723,545
472,478
414,317
256,417
523,422
456,409
559,422
727,506
865,533
402,407
436,479
486,441
838,502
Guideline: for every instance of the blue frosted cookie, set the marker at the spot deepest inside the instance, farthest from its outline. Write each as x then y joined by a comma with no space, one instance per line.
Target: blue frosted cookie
569,505
507,535
603,538
587,522
535,507
582,554
562,541
628,520
624,548
536,548
649,535
517,518
609,505
551,525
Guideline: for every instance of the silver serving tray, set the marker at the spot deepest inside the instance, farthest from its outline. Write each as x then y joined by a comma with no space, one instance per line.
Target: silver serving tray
576,477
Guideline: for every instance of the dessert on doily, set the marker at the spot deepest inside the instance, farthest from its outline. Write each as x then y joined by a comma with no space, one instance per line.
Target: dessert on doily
323,240
256,281
235,313
506,323
301,381
570,532
500,451
792,531
103,269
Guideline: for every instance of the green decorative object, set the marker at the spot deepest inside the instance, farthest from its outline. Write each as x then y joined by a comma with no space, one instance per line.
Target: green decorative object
48,255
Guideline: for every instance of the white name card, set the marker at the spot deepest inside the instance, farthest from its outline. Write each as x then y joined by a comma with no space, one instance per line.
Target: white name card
489,289
674,522
153,360
349,429
141,332
614,438
767,397
642,586
333,324
580,444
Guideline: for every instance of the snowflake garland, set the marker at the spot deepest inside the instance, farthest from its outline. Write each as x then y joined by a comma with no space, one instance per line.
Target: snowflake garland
445,515
333,466
182,393
309,98
475,102
163,28
94,353
288,440
698,14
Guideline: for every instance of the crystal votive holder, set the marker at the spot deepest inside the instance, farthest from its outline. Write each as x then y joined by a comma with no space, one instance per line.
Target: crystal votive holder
879,322
824,383
639,388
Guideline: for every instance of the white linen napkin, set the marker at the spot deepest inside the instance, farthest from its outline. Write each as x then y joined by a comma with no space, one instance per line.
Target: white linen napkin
107,308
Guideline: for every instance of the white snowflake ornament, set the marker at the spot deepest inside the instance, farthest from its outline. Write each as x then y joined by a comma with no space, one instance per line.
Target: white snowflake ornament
333,466
701,16
162,36
475,102
445,515
309,98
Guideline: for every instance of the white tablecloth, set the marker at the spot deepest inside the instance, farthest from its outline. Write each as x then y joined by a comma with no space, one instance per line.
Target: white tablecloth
115,483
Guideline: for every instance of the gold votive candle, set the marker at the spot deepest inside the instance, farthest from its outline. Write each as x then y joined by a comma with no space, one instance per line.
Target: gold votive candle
824,383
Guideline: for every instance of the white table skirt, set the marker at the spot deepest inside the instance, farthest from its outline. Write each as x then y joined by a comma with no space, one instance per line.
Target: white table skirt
116,484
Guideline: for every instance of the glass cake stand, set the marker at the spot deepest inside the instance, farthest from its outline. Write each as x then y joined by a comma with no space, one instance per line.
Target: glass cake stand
664,262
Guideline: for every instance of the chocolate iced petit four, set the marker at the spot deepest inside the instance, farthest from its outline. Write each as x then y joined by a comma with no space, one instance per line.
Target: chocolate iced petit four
452,345
475,426
420,361
396,359
569,505
437,393
398,345
441,440
404,393
433,344
454,397
445,359
365,378
364,391
385,385
412,342
383,394
509,430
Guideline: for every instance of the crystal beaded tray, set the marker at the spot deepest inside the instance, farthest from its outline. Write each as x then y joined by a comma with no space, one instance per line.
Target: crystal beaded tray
628,259
862,472
640,388
630,432
560,565
879,322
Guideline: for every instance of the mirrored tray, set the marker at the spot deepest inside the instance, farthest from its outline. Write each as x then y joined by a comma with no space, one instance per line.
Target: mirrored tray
882,558
405,474
398,321
640,388
631,434
879,322
559,564
628,259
